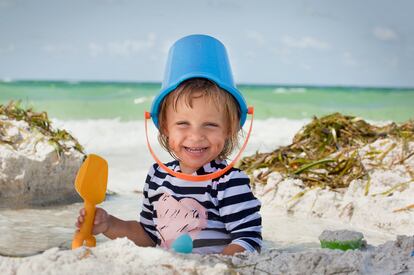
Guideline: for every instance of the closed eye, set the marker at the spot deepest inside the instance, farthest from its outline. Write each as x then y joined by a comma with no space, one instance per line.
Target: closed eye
206,124
211,124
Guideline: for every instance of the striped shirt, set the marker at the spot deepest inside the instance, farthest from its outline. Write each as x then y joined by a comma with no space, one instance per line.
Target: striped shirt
232,211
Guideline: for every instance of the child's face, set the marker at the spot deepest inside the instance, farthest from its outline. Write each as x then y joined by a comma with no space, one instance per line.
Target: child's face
195,135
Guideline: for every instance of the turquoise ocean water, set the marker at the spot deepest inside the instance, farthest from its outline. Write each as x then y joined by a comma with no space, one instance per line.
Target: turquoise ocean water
127,101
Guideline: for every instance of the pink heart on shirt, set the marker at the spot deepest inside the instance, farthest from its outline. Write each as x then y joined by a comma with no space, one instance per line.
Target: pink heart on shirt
175,218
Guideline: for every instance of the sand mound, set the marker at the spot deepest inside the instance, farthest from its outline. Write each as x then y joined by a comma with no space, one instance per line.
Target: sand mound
121,256
38,164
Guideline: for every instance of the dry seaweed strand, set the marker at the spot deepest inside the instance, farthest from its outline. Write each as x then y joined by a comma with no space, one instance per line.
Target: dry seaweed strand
40,122
325,152
407,208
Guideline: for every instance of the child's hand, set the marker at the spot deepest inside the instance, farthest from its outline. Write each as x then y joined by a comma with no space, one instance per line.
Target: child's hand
100,223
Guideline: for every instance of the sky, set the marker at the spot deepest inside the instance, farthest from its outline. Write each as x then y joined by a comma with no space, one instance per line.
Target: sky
297,42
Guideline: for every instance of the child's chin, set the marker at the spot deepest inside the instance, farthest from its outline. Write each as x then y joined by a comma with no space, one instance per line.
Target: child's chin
194,159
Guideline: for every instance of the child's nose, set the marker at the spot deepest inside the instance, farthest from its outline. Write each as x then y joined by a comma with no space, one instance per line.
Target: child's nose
197,134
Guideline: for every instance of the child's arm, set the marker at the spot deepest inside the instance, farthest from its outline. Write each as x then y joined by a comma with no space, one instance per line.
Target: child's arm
131,229
232,249
239,210
113,227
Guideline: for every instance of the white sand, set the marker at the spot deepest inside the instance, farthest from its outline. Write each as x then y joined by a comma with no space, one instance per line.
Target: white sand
316,210
123,257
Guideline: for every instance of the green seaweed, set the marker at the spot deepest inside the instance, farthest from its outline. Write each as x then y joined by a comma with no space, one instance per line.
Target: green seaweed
37,121
325,152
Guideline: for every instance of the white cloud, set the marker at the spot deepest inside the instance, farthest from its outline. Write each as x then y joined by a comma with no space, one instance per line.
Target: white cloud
349,59
129,47
307,42
166,45
256,37
385,34
305,66
250,54
126,47
281,51
58,48
95,49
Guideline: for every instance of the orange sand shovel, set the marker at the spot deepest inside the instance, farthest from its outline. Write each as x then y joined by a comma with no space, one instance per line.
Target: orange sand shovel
90,183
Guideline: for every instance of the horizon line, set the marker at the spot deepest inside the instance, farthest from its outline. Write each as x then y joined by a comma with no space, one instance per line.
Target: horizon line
290,85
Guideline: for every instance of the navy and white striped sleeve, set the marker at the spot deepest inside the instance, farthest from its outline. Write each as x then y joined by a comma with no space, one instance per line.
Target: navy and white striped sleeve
146,216
239,210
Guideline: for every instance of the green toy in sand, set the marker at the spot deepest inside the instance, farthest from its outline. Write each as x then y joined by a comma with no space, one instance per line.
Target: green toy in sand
342,239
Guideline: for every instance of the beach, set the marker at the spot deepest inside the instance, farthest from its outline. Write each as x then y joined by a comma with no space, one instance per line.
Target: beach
327,86
35,240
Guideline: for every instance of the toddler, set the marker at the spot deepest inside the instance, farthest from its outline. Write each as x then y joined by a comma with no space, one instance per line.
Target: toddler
199,114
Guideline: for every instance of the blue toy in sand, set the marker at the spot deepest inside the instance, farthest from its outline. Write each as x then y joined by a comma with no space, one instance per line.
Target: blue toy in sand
183,244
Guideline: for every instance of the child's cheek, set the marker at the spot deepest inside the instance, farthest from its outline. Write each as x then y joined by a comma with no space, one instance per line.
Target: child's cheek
220,147
172,144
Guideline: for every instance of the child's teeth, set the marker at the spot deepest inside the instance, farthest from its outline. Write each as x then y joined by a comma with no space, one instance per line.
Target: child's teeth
194,149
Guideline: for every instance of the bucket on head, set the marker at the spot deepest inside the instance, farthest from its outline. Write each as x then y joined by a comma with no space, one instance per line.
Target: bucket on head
198,56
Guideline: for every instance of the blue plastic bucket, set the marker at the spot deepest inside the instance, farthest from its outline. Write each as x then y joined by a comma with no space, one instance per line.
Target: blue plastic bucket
198,56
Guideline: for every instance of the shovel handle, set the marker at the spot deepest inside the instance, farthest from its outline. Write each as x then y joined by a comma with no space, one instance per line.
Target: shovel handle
85,232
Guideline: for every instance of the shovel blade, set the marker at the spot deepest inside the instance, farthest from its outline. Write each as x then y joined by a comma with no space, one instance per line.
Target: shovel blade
92,179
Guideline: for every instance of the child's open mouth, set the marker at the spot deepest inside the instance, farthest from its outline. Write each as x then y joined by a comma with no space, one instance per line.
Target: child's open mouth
195,149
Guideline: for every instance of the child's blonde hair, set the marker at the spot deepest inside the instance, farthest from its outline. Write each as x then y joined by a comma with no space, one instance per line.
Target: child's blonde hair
208,90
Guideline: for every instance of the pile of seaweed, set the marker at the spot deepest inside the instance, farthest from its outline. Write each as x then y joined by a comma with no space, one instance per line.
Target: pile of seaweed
61,140
324,153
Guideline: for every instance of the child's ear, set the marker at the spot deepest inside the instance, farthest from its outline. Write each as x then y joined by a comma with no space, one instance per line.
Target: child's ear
164,131
229,133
